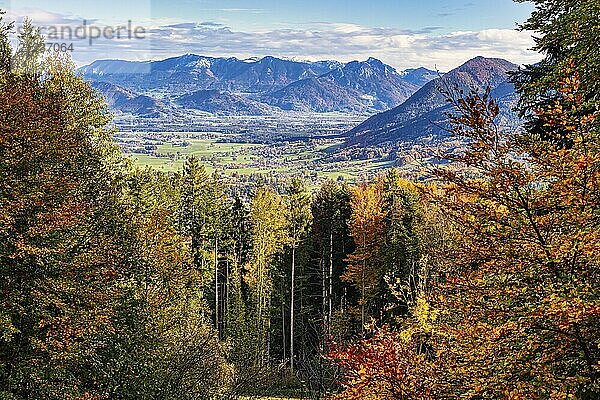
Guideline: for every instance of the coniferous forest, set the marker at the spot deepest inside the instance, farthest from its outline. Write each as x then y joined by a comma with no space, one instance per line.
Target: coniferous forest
479,281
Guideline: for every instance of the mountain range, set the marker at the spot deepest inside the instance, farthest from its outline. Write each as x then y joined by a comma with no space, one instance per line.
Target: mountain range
230,86
425,113
400,106
354,87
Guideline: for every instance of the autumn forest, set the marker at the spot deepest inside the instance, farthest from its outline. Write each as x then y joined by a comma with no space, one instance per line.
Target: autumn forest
481,280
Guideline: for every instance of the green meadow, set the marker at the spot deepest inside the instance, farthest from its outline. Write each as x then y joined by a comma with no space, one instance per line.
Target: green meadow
242,159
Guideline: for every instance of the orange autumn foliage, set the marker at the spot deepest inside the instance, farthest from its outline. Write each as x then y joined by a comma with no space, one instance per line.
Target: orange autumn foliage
518,308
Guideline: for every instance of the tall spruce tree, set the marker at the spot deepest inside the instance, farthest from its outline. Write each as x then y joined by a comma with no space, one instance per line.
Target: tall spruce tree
299,215
332,243
403,247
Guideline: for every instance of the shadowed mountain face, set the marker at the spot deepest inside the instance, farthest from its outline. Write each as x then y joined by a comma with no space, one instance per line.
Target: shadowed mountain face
219,103
144,106
259,86
123,100
115,95
358,87
425,112
185,74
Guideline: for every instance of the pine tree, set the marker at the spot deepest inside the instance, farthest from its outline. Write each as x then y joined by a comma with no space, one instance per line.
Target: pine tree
28,58
203,217
299,215
5,48
192,217
331,211
403,245
239,247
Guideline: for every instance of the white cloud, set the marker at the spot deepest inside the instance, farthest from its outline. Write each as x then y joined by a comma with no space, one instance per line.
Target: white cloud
317,41
40,17
346,42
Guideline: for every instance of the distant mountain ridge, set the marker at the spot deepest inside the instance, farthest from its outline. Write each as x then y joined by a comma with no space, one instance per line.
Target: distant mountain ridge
405,105
425,112
355,87
218,102
420,76
184,74
126,101
261,84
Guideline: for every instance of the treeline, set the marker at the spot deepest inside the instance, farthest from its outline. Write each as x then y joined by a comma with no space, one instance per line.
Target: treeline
99,297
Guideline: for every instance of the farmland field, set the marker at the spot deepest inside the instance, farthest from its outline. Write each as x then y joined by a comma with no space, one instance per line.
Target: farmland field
167,152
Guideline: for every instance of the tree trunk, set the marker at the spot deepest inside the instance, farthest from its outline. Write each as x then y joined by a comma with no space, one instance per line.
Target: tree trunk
330,293
283,333
268,355
362,308
216,259
226,303
324,296
292,308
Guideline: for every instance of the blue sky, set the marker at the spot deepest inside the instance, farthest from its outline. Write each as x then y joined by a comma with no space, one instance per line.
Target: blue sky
431,33
451,14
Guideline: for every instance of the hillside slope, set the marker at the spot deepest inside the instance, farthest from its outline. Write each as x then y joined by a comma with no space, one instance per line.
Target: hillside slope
425,112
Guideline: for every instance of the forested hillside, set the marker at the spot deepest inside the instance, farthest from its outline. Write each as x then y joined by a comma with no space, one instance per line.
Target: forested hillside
482,283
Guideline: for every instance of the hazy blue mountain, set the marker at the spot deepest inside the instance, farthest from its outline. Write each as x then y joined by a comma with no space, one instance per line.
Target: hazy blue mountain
144,106
317,95
107,68
420,76
425,112
230,86
269,74
176,75
184,74
360,87
115,95
224,103
122,100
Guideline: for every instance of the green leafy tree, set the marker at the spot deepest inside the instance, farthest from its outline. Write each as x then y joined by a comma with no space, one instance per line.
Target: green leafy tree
269,238
63,238
180,356
365,270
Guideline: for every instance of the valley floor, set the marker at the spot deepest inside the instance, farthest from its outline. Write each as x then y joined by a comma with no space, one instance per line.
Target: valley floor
316,159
